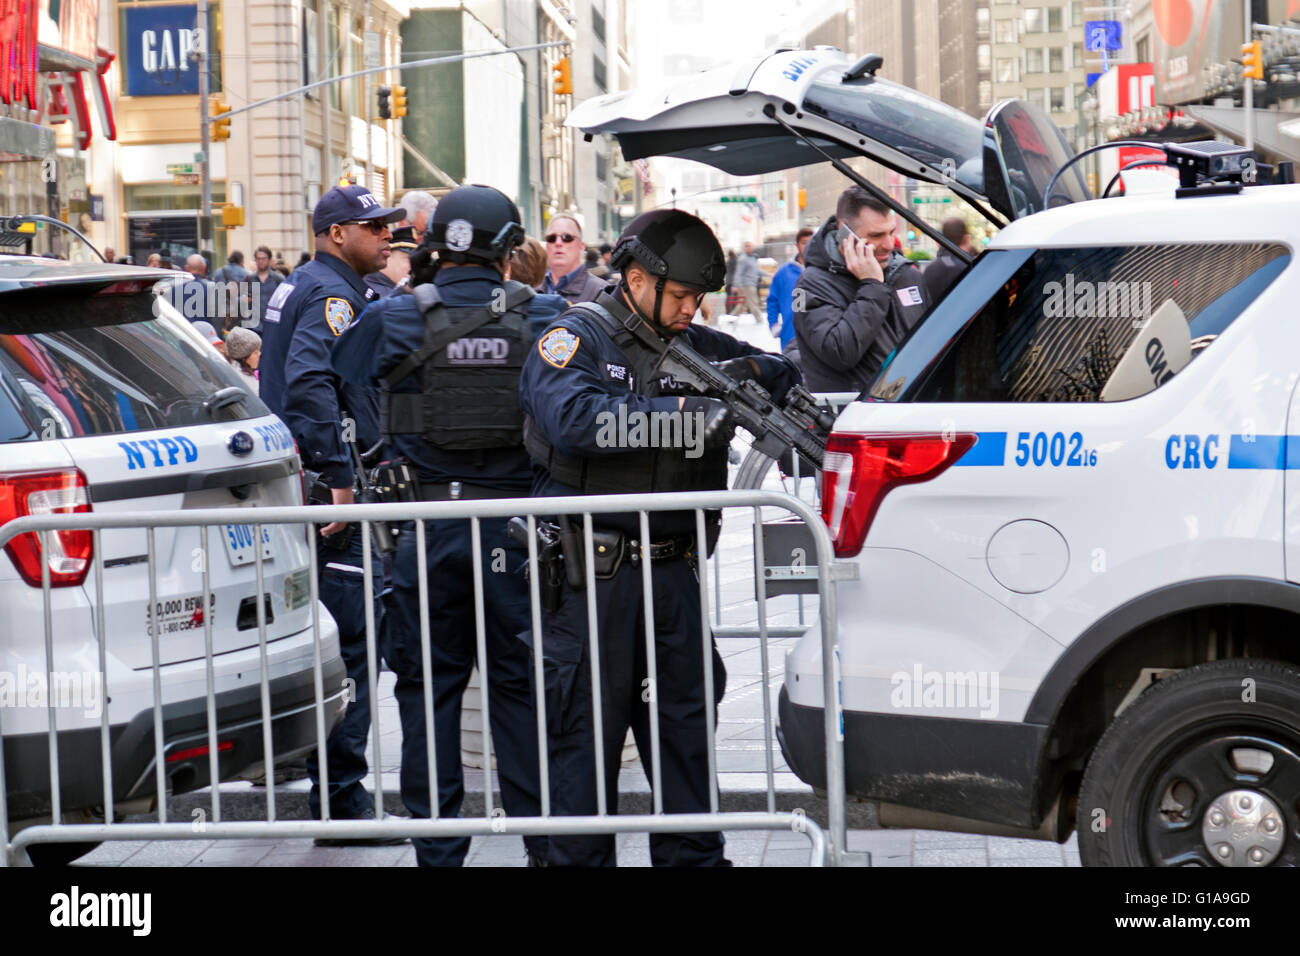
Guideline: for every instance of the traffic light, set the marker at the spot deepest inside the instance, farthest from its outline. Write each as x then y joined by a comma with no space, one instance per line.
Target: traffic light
563,72
1252,60
399,102
385,93
232,216
220,123
780,199
803,197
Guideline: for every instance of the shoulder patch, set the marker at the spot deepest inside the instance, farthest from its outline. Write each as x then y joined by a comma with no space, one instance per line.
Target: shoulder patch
558,346
338,314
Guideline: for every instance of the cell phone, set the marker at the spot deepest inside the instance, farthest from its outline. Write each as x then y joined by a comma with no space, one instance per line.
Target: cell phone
842,233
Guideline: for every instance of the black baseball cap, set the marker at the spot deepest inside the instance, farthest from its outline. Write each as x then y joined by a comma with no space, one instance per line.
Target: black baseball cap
349,203
403,238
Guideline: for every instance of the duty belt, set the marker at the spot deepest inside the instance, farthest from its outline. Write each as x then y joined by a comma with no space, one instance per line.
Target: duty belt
461,491
668,549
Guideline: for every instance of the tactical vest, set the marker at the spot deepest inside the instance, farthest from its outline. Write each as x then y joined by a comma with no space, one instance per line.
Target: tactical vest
469,363
639,469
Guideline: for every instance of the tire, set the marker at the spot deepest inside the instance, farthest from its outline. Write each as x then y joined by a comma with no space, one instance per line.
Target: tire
58,854
1149,790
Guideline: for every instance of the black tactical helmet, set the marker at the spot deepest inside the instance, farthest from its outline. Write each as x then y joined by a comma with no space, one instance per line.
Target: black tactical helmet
672,245
474,221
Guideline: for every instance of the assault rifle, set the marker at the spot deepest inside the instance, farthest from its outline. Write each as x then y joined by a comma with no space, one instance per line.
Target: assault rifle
798,423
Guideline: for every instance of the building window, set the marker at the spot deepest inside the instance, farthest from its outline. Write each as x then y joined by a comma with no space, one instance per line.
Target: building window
310,71
1078,56
1056,99
1007,72
1056,60
982,23
985,92
1006,31
1142,50
334,42
983,56
1076,13
598,72
1034,20
1055,22
1033,60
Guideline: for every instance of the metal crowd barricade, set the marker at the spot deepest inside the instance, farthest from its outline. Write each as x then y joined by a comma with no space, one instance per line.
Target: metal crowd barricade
827,847
806,487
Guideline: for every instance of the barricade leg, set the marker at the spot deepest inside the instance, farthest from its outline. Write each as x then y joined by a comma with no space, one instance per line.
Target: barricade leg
342,591
507,675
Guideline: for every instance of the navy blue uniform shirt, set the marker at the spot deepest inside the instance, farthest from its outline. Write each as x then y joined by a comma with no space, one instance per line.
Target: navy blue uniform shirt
307,314
393,328
565,400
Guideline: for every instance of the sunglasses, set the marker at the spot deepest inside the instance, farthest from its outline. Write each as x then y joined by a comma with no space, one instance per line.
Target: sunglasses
563,237
374,225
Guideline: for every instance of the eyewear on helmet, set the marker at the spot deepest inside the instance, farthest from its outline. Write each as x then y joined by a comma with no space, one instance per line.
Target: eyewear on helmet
374,225
564,237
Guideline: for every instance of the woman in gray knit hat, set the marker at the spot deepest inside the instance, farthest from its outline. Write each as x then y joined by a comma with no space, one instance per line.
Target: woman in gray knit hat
244,350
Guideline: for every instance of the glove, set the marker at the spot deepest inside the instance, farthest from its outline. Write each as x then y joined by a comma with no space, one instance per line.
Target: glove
717,426
773,372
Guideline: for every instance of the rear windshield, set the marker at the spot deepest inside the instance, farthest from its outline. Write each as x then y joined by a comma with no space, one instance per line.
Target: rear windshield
1077,324
76,364
934,133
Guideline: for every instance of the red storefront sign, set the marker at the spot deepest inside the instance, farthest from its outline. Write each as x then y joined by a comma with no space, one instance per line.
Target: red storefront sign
18,59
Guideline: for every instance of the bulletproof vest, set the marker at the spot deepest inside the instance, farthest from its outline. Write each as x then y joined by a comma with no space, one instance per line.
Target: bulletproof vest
469,365
637,469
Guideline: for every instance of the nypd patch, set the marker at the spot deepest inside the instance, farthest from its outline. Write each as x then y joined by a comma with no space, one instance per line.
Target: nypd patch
338,314
558,346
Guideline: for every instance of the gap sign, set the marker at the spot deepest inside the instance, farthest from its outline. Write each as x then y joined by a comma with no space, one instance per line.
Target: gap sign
157,44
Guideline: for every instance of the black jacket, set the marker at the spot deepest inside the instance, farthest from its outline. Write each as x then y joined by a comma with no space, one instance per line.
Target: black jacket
845,329
941,274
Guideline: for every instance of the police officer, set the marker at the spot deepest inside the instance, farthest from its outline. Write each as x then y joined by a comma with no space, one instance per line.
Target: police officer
328,418
594,368
448,357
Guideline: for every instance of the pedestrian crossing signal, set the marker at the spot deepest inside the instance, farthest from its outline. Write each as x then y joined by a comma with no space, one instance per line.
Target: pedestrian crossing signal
385,109
399,102
220,124
563,73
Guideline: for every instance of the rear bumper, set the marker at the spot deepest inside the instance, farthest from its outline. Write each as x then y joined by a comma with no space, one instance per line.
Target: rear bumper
979,769
185,728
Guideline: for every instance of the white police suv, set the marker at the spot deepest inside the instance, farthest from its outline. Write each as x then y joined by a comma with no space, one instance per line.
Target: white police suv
111,403
1069,493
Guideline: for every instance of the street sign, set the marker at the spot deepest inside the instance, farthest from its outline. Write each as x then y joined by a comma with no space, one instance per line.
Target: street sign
737,199
185,179
921,200
372,50
176,169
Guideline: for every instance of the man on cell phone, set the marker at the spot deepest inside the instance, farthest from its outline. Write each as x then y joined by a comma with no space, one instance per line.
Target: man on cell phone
857,296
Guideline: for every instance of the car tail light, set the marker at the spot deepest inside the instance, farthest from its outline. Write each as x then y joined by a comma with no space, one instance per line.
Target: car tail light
48,493
859,470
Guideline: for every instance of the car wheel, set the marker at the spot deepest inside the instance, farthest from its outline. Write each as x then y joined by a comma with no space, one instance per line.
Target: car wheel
58,854
1203,769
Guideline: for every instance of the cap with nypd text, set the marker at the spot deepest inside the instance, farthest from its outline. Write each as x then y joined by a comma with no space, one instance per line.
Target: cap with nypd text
348,203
